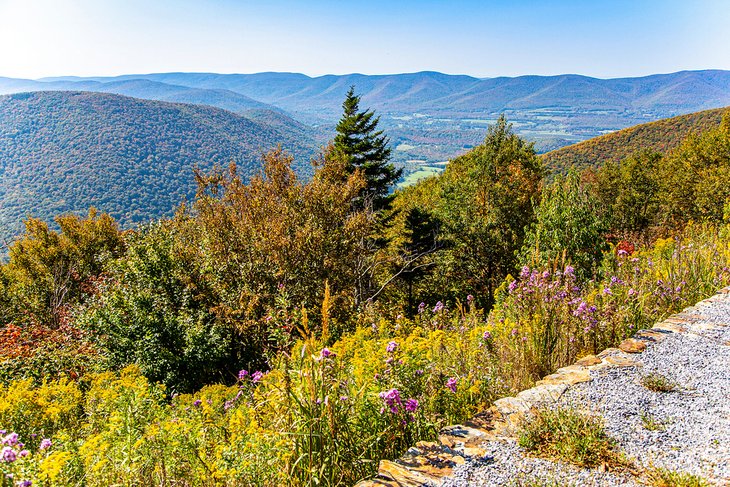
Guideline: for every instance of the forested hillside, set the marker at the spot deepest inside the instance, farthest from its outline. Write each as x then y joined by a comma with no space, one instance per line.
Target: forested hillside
661,136
67,151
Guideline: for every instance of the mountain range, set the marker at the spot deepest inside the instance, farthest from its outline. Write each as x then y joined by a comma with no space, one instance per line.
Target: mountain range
429,116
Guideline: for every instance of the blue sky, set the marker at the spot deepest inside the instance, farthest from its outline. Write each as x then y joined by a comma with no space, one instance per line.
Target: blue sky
480,38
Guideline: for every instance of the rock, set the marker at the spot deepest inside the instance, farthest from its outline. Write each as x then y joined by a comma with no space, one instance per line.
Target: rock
670,326
460,436
545,393
405,476
589,360
608,352
619,361
569,377
654,335
632,345
511,405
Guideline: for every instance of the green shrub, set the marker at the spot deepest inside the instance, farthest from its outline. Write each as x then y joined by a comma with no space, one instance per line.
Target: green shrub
157,312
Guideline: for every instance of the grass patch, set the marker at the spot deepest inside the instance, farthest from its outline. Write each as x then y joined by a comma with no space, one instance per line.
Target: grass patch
532,481
652,423
571,436
658,383
661,477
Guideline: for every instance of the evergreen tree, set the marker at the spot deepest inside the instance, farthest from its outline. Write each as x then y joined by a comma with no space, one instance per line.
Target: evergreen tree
422,238
367,149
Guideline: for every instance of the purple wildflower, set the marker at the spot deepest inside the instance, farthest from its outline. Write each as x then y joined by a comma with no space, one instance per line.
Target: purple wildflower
525,272
391,347
569,271
11,439
470,298
486,335
23,453
242,374
8,454
439,306
257,376
391,399
421,308
45,444
326,353
197,403
411,405
632,292
451,383
512,286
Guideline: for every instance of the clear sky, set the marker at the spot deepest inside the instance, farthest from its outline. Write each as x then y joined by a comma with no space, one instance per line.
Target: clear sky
485,38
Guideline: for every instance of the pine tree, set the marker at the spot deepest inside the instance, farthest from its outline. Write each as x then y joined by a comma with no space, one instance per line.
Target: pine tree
367,149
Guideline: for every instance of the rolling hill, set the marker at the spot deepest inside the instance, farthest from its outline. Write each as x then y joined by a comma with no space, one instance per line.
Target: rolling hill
143,88
66,151
661,136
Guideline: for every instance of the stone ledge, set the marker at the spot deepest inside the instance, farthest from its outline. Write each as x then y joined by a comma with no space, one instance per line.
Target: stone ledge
430,463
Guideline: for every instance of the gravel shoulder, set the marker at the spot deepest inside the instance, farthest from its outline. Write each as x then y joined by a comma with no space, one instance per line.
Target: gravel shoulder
686,429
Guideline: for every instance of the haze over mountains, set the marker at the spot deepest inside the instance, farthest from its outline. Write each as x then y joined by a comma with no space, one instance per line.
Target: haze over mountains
431,116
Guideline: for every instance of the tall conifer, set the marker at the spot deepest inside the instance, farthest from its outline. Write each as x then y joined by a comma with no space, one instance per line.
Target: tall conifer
367,149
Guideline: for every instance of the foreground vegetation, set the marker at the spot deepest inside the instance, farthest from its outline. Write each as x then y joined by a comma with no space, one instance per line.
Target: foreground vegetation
288,332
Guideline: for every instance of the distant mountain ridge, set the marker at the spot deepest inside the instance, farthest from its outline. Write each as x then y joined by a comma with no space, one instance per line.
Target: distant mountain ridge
684,90
65,151
141,88
432,117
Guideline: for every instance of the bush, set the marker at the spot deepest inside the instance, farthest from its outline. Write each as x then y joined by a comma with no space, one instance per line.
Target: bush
156,311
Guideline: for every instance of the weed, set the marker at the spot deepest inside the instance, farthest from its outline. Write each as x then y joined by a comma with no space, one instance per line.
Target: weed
652,423
658,383
572,436
661,477
533,481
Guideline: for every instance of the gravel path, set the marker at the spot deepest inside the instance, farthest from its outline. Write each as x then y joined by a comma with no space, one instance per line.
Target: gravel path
686,429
